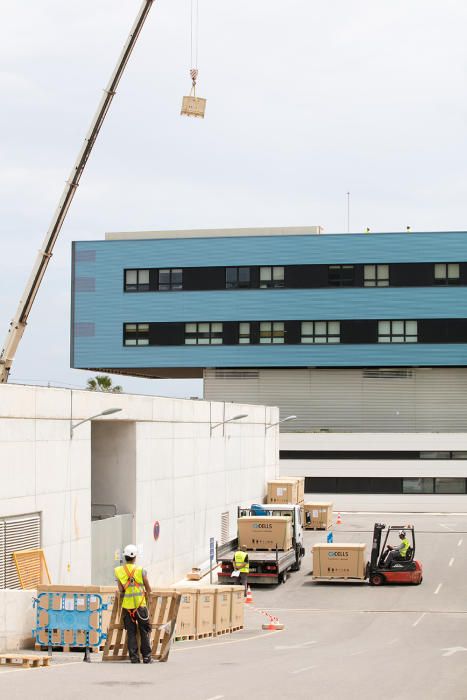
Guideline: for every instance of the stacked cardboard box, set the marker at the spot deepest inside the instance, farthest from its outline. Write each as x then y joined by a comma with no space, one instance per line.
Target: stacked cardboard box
343,560
317,516
265,532
300,480
206,612
283,491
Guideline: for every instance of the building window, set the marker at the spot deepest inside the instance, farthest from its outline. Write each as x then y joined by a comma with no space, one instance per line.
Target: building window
341,275
447,273
237,278
448,485
320,331
244,331
203,333
136,334
271,277
136,280
376,276
422,485
271,332
435,455
170,279
397,331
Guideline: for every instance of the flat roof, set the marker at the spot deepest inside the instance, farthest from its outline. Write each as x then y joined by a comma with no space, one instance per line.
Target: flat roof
216,233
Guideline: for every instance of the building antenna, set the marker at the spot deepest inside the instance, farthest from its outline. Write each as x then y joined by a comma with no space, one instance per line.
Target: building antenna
348,212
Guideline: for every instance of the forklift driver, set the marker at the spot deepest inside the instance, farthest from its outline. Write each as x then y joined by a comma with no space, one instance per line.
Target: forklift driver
397,553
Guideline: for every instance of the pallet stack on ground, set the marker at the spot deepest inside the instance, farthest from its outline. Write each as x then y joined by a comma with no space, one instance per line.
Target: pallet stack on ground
107,593
24,660
163,609
286,489
317,516
209,612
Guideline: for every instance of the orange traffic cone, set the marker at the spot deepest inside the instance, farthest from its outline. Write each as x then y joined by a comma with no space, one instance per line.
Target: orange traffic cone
249,597
339,519
273,624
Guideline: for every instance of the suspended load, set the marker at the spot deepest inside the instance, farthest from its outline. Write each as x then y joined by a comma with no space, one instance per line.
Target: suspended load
193,106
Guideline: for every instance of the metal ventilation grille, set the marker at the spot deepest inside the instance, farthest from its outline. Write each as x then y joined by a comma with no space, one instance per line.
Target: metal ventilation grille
236,374
20,533
2,554
225,527
388,373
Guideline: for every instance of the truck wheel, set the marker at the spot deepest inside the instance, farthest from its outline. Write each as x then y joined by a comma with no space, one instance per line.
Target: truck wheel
283,577
377,580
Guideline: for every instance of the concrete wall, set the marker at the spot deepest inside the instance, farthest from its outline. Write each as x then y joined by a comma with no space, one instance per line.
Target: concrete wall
17,619
113,465
184,474
397,468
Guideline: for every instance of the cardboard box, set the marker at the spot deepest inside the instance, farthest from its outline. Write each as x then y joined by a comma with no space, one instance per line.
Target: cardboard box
237,608
343,560
186,618
255,532
283,491
300,488
317,516
205,611
222,608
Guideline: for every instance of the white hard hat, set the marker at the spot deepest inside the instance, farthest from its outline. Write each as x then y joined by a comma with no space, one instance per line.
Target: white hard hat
402,533
130,551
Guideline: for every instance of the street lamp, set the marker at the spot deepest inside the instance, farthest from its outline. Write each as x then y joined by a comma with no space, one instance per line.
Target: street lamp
284,420
107,412
223,422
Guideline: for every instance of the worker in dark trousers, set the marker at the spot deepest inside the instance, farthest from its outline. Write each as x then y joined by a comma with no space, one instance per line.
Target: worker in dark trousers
241,564
397,553
134,589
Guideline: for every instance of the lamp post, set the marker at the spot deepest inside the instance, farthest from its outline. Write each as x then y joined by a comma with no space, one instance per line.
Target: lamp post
107,412
284,420
229,420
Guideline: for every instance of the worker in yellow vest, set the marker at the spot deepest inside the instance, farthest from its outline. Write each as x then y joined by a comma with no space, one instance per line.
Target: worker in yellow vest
398,553
241,564
134,589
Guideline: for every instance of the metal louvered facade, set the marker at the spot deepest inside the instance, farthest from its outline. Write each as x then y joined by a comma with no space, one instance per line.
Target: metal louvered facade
351,400
16,534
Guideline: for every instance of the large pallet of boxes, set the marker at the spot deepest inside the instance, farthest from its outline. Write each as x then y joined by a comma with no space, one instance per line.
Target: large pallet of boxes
286,490
317,516
60,594
209,612
339,561
258,533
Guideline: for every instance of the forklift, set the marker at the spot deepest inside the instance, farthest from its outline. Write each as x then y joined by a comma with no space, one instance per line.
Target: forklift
406,570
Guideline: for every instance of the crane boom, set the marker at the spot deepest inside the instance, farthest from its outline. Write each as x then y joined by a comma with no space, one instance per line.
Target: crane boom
18,324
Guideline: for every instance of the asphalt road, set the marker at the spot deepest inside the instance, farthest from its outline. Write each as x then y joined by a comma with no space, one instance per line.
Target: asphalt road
341,640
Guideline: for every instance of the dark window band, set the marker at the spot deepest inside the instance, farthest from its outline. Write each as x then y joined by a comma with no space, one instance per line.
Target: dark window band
405,485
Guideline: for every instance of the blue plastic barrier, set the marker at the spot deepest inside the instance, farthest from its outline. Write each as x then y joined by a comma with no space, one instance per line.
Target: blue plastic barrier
71,613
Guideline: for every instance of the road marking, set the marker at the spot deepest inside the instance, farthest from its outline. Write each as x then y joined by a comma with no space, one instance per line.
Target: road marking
452,650
451,561
234,641
438,588
216,697
294,646
460,542
306,668
53,667
419,619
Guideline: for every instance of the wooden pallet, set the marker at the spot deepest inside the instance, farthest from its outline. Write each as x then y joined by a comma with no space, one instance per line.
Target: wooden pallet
163,609
66,648
236,629
185,638
219,632
24,660
311,527
205,635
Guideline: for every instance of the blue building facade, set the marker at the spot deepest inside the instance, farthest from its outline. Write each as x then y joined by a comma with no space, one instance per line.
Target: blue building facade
173,305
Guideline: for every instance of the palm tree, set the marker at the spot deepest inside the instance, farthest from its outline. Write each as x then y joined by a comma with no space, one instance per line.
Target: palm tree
102,382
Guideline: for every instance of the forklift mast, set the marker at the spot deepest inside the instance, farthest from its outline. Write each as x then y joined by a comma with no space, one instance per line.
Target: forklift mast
376,545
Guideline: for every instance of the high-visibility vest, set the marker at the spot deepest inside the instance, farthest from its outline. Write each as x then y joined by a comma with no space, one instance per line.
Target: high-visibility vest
240,559
131,578
404,548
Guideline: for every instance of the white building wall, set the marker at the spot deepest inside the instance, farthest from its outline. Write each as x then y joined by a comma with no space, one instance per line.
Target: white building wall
398,468
185,477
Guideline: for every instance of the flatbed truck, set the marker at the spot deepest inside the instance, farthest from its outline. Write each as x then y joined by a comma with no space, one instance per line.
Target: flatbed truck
266,566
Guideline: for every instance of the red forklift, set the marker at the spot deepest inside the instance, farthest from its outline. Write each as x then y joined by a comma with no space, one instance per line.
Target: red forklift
406,570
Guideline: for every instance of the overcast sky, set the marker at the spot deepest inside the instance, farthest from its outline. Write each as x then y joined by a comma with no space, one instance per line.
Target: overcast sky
307,100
